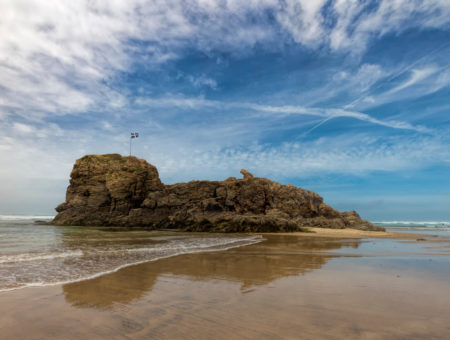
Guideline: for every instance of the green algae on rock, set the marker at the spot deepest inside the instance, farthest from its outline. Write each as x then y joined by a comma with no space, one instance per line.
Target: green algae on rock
114,190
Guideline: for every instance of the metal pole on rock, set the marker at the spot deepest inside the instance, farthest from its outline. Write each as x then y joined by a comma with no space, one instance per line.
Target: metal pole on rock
133,136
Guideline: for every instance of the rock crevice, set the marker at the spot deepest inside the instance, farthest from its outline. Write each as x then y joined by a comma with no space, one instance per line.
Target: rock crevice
126,191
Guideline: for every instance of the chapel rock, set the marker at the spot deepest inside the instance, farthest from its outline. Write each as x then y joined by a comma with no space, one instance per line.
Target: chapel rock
113,190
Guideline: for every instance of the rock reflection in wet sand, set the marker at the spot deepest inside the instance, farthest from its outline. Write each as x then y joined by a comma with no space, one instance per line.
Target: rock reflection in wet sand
259,264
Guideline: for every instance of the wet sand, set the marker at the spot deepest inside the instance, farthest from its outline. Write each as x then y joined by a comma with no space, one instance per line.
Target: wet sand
353,233
307,286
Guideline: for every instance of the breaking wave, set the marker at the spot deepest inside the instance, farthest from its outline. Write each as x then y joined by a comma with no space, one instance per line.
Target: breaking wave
429,224
25,217
71,265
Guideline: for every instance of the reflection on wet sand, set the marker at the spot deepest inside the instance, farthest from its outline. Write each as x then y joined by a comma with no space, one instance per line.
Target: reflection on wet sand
259,264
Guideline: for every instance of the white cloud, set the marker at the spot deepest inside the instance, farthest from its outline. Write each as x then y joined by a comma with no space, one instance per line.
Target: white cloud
202,81
416,76
303,20
419,82
330,113
346,11
366,76
356,25
355,155
23,128
58,57
283,110
347,84
107,126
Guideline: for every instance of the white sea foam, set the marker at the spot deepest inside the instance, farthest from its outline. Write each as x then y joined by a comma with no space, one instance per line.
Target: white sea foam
415,223
38,257
25,217
211,245
217,242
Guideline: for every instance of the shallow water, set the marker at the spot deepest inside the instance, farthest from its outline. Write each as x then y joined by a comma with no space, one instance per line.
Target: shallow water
38,255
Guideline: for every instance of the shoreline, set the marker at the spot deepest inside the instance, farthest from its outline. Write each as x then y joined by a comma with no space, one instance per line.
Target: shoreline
313,232
123,266
308,231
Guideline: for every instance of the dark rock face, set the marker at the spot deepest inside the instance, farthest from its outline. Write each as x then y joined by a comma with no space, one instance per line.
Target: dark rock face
126,191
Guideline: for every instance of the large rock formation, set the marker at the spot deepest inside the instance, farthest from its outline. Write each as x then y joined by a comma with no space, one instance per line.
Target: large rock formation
126,191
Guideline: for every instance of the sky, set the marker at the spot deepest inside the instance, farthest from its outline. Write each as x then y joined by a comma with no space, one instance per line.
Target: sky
350,99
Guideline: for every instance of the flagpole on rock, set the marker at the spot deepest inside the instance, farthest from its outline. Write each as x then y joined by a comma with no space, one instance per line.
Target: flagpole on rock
133,136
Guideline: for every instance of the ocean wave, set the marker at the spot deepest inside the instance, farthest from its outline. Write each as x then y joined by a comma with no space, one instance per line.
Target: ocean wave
219,244
25,217
419,229
415,223
37,257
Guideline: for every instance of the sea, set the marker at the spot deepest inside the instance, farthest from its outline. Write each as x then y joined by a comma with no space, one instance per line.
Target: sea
39,255
419,227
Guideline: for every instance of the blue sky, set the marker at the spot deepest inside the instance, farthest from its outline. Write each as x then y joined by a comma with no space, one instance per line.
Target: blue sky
346,98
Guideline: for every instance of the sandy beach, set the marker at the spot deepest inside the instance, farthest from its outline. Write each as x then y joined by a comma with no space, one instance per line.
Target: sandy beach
290,286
